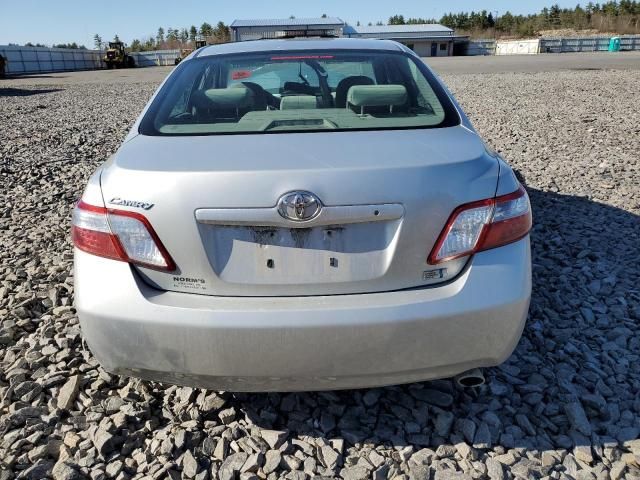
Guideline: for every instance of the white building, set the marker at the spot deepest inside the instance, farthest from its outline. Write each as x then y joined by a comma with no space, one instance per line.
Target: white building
427,40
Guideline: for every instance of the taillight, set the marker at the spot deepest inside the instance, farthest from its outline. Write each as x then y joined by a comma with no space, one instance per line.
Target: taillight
119,235
483,225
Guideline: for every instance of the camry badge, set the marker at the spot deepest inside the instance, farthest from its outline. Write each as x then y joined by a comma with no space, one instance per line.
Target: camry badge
131,203
299,206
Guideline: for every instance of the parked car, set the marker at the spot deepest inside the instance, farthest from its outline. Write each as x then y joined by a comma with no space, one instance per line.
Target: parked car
302,215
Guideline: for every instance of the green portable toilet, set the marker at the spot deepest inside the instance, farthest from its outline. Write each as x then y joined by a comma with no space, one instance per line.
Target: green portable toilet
614,44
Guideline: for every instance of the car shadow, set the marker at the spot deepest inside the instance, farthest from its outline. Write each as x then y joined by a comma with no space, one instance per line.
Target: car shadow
573,380
23,92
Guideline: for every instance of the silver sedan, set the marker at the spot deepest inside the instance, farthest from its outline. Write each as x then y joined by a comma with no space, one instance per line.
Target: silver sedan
302,215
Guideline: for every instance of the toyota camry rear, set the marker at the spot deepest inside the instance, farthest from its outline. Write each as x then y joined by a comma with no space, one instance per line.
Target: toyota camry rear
302,215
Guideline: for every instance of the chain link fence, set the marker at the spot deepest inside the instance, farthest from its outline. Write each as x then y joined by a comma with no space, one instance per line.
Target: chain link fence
478,47
157,58
557,45
587,44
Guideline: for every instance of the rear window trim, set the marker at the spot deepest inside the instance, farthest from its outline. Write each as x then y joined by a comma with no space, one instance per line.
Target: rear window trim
452,117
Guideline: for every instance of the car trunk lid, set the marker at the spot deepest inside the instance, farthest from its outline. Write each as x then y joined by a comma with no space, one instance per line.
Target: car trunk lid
384,197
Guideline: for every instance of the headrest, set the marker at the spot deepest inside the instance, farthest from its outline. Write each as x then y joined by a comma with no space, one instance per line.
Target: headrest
296,102
237,96
377,95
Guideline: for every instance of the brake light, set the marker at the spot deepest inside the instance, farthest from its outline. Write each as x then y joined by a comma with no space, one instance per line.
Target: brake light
118,235
483,225
303,57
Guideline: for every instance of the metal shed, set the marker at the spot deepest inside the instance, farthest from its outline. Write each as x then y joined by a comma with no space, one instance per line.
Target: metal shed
242,30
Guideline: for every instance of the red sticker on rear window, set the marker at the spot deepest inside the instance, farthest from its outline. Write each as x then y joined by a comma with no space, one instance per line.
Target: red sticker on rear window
240,74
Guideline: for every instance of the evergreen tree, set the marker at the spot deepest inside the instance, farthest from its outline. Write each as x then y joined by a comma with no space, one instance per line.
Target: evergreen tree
491,23
172,35
396,20
136,45
222,32
206,30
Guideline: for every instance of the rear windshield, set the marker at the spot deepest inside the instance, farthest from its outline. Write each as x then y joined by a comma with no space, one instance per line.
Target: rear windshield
299,92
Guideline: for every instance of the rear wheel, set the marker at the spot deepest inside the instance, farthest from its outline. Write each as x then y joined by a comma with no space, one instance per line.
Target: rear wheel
109,65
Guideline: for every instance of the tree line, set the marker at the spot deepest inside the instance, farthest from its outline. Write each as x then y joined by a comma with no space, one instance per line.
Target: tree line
173,38
72,45
613,16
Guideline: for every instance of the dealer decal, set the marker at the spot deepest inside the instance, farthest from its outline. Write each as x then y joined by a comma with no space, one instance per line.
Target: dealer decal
188,283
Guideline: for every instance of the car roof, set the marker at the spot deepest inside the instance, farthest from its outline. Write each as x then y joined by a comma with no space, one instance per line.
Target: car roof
299,44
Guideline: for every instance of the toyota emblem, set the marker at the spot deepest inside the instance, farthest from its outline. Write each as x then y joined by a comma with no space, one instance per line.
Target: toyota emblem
299,206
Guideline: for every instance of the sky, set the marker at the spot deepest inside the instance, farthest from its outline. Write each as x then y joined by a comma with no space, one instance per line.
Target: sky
66,21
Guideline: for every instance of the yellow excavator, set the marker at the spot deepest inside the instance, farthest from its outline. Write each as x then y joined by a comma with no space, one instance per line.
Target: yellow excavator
185,52
117,57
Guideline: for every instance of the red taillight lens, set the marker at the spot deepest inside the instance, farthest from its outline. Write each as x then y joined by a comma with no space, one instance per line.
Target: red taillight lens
119,235
483,225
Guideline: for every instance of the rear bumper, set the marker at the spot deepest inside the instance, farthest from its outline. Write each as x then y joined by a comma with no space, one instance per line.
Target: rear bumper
304,343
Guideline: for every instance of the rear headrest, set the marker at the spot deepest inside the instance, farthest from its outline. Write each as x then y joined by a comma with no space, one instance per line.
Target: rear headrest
237,96
377,95
345,84
296,102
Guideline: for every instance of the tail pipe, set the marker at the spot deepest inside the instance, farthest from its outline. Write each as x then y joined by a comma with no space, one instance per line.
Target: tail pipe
471,378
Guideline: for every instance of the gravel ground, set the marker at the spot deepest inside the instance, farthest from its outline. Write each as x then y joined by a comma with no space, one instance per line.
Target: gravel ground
565,405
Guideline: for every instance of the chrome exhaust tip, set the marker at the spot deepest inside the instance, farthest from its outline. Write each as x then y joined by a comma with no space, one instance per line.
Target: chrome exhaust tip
472,378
